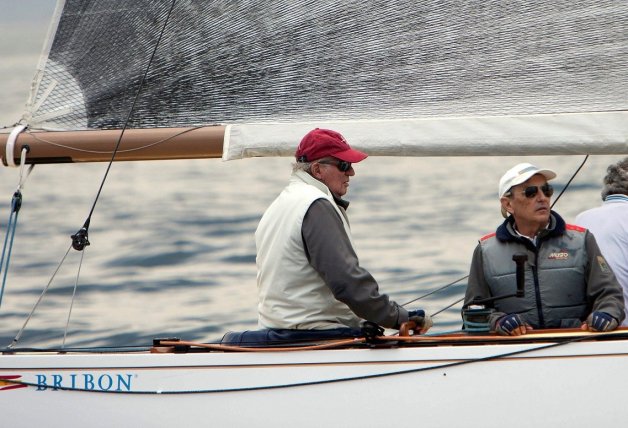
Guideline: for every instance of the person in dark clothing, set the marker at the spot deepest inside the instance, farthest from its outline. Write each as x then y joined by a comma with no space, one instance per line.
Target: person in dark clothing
567,281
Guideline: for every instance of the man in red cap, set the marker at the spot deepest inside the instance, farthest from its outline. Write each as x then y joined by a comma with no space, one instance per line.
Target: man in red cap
309,277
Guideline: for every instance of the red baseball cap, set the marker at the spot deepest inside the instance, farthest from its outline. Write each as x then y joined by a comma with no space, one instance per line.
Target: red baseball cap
320,143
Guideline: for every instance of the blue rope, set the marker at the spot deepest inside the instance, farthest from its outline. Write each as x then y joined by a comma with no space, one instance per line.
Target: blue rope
476,326
476,320
16,203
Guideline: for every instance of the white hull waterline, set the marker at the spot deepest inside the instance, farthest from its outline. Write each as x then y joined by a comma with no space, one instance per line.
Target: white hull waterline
554,379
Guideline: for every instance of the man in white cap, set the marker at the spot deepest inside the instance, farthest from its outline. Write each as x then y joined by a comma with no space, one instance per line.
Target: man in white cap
309,278
567,284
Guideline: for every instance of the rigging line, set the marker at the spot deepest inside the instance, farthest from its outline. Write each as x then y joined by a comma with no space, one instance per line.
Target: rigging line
569,182
18,336
67,324
34,135
25,149
83,350
11,227
447,307
16,204
80,239
236,348
436,291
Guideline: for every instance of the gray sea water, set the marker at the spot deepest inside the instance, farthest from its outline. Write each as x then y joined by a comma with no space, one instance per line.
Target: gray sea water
172,243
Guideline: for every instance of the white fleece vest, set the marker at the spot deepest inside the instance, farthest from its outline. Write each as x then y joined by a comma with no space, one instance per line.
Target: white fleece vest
291,293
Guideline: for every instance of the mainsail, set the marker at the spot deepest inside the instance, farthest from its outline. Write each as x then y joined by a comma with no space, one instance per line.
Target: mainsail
397,78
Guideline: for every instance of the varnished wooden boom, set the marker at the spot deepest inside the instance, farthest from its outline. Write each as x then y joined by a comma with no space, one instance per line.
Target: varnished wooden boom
97,145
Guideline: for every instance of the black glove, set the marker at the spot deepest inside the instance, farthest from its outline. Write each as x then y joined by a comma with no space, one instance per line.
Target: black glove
370,330
601,321
422,320
508,323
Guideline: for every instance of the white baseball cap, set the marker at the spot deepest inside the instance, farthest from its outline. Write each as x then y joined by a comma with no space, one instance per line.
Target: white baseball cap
519,174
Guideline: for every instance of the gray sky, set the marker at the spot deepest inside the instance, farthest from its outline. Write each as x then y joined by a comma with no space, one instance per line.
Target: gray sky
23,28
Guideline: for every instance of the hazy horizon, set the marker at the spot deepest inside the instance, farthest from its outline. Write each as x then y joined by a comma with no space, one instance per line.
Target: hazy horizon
23,28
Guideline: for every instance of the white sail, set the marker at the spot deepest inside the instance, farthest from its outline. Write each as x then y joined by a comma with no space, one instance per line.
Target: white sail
398,78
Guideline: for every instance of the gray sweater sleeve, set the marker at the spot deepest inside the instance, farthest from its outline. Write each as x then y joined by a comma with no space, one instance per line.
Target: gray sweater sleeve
603,290
331,254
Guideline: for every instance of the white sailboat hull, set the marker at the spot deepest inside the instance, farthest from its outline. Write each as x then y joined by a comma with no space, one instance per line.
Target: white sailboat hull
510,384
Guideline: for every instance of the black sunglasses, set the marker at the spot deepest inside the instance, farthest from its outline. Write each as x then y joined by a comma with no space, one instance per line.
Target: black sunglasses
531,191
343,166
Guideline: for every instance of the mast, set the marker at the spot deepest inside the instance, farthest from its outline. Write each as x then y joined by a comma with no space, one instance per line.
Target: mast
98,145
